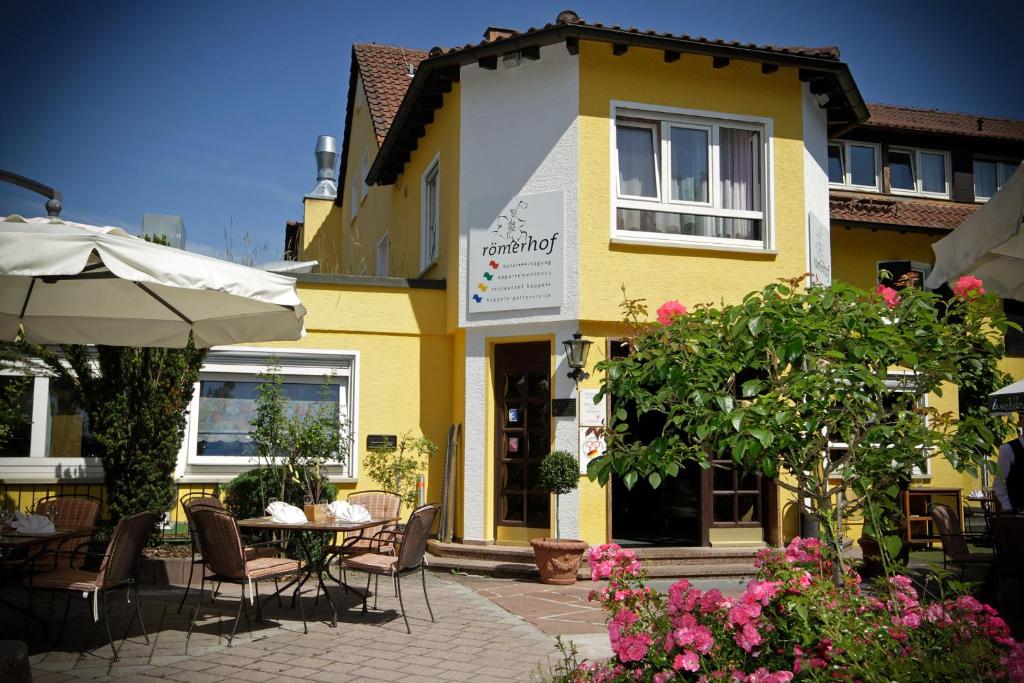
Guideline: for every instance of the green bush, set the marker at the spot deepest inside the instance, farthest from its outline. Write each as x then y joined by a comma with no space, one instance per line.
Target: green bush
559,472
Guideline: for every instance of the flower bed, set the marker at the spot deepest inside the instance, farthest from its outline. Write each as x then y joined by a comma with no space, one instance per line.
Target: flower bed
792,623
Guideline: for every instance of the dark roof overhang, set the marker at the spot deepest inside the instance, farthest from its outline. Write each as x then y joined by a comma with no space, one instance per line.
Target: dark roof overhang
827,77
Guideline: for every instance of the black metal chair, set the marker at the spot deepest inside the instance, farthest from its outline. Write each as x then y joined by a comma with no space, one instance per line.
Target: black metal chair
411,545
954,544
118,567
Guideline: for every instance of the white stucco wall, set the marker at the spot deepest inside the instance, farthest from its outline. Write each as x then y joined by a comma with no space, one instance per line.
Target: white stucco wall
520,124
816,175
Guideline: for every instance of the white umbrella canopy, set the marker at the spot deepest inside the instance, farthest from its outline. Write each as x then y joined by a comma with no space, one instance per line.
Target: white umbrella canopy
1009,399
68,283
989,244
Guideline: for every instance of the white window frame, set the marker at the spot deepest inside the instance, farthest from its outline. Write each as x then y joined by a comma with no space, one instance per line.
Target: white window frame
923,268
894,380
383,249
635,114
848,173
915,160
246,363
37,465
364,170
981,199
433,172
842,161
658,148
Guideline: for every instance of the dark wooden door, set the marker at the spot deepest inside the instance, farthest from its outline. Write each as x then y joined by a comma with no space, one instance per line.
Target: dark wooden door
522,420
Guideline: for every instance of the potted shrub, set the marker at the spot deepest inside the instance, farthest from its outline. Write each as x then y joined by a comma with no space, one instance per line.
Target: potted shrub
558,559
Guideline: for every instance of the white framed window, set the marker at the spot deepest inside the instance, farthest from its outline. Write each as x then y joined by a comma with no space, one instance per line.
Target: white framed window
990,175
854,165
919,172
217,439
900,384
430,199
53,438
364,170
383,256
690,178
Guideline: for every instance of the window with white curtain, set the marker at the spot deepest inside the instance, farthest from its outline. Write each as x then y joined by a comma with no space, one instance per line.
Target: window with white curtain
919,171
990,175
431,207
690,179
854,165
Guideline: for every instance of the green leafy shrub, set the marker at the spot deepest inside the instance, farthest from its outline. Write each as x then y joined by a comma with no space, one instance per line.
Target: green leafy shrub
559,472
396,470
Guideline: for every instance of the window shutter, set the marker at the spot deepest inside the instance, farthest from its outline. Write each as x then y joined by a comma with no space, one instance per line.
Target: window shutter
963,187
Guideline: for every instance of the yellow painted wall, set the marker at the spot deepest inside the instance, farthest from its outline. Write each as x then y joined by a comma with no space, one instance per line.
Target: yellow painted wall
347,245
661,273
857,251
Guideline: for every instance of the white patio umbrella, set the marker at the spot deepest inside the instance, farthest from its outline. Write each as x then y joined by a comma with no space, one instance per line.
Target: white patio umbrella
989,244
68,283
1009,399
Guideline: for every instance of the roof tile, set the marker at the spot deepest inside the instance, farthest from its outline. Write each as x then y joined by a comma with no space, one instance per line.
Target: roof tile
952,123
385,73
888,210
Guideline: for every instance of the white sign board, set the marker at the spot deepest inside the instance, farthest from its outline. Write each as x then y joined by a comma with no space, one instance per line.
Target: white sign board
591,414
819,251
517,261
592,445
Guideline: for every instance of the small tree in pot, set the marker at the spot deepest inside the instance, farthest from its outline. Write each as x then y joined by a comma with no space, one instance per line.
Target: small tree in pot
558,560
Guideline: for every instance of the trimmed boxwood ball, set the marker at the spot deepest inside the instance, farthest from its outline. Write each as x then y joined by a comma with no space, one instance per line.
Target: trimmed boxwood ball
559,472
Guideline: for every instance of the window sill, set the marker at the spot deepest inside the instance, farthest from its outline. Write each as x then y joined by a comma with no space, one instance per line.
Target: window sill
222,475
50,470
652,241
426,269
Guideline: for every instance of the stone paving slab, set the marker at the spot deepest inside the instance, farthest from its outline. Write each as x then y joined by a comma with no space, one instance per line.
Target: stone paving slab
472,639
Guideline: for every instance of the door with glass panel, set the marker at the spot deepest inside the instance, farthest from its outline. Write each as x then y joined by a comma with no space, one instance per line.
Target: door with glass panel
522,421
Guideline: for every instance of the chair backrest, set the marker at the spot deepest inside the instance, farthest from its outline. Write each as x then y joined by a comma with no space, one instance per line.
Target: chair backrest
380,504
73,510
124,551
1007,535
948,524
192,501
414,540
219,541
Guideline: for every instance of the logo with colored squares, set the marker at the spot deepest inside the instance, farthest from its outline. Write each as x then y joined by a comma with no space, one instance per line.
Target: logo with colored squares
488,276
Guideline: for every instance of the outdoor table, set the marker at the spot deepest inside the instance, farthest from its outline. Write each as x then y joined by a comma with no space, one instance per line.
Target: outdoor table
13,541
313,563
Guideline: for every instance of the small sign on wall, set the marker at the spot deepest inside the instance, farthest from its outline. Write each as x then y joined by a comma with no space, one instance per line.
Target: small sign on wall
819,247
381,442
592,445
591,414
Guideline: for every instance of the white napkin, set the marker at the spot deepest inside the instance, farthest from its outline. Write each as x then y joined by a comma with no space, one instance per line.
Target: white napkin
349,512
283,513
32,524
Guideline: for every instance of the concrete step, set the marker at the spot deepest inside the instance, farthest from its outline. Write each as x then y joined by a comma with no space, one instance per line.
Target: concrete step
528,570
651,557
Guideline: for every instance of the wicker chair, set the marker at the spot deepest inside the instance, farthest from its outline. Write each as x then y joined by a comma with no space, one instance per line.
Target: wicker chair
196,500
224,557
380,505
954,544
117,569
411,544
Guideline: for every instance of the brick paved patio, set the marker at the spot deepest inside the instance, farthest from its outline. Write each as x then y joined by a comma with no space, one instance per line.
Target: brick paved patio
473,639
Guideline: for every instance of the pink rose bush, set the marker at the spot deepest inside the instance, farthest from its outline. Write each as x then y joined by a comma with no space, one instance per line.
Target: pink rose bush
791,623
967,287
889,295
669,310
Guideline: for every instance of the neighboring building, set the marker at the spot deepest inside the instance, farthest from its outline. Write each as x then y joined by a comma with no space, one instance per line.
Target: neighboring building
494,199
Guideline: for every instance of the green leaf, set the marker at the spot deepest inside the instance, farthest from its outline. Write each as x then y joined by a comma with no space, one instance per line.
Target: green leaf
755,325
737,420
893,545
762,435
672,469
751,387
630,479
655,479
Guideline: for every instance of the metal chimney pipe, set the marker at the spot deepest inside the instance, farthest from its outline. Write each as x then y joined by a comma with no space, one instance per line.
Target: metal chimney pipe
326,153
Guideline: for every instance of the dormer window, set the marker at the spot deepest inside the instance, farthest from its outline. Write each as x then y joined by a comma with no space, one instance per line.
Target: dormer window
919,172
854,165
990,175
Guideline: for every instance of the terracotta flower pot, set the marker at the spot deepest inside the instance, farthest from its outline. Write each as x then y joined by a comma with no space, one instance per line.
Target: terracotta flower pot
558,560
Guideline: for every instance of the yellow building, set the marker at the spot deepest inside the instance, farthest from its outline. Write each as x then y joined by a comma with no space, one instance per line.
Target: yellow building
494,200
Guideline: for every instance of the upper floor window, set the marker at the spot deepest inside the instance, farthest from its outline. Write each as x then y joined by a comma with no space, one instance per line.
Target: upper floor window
430,226
853,165
990,175
918,171
690,179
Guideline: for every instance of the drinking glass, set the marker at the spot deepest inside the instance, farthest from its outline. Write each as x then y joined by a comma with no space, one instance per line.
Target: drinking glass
51,512
307,500
270,503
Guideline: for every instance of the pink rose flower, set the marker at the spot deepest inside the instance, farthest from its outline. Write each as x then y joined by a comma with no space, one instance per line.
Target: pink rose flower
669,310
967,284
889,295
688,661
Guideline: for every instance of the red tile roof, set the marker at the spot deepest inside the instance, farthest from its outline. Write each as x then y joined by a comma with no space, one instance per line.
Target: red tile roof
897,211
385,73
935,121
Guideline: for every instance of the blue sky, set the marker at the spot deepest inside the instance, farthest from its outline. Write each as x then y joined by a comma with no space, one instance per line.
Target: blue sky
210,110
